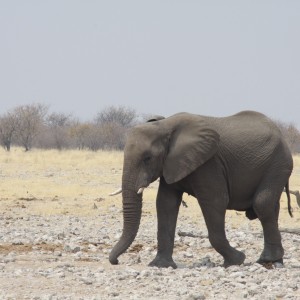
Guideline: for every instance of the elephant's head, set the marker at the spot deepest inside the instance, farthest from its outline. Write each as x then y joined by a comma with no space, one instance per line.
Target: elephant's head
173,148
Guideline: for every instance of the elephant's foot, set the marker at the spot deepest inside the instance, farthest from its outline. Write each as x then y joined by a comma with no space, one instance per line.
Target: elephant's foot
237,258
271,264
272,254
162,262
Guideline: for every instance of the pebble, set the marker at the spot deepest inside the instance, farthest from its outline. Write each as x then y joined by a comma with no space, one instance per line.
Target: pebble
69,260
196,297
236,275
87,281
72,248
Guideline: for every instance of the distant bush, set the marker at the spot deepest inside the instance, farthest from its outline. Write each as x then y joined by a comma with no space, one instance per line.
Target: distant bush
291,134
33,126
122,116
8,129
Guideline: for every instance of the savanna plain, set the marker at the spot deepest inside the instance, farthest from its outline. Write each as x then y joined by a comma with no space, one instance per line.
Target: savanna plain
58,224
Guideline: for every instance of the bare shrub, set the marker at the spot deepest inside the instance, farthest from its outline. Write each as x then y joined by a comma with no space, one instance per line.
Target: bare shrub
57,131
123,116
8,128
93,137
112,124
291,134
30,119
112,136
79,133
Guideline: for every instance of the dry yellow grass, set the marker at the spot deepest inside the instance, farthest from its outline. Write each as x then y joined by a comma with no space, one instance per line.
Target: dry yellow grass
71,182
64,180
295,178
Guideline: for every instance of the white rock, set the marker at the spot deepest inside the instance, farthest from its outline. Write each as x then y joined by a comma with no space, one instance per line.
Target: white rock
132,272
188,254
87,281
145,273
236,274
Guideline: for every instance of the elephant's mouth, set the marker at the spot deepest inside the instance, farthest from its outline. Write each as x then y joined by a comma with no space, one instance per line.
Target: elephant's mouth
141,190
119,191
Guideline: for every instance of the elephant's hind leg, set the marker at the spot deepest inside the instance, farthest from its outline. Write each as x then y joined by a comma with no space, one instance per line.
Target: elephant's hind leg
266,206
250,214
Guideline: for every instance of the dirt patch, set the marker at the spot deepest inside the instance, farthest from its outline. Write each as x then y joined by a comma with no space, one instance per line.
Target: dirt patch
25,248
136,248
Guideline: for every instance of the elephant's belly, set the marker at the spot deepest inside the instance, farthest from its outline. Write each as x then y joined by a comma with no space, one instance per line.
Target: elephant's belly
239,206
243,186
240,201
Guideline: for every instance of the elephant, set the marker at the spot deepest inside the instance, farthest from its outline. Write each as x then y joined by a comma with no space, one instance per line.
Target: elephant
239,162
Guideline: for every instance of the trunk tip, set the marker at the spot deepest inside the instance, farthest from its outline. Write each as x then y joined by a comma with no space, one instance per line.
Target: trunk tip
113,260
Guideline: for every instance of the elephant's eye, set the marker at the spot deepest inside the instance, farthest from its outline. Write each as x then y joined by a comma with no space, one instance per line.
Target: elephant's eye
147,160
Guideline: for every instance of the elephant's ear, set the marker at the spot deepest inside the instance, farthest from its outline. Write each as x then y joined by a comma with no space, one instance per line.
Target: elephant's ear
191,145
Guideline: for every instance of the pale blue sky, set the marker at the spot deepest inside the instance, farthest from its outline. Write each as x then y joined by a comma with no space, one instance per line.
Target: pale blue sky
205,57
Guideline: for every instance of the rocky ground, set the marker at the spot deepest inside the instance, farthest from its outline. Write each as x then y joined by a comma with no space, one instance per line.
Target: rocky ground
66,257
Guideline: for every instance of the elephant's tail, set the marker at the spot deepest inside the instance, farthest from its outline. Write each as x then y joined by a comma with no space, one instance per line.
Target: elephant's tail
287,190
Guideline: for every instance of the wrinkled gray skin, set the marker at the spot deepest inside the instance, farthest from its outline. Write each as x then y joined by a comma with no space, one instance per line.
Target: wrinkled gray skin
239,163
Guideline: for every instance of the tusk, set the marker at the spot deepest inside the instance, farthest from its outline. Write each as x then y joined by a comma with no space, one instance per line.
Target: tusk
140,191
119,191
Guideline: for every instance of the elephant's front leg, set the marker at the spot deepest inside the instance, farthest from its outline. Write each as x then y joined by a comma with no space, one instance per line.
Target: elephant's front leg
167,206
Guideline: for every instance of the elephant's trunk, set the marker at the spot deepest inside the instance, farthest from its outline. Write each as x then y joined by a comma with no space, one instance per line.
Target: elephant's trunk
132,210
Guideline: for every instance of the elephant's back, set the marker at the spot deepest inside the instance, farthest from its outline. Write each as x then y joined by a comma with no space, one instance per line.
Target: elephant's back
249,137
251,122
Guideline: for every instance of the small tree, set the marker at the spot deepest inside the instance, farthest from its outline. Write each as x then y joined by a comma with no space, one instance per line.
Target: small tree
30,119
112,136
112,124
58,127
8,128
79,132
291,134
93,137
124,116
